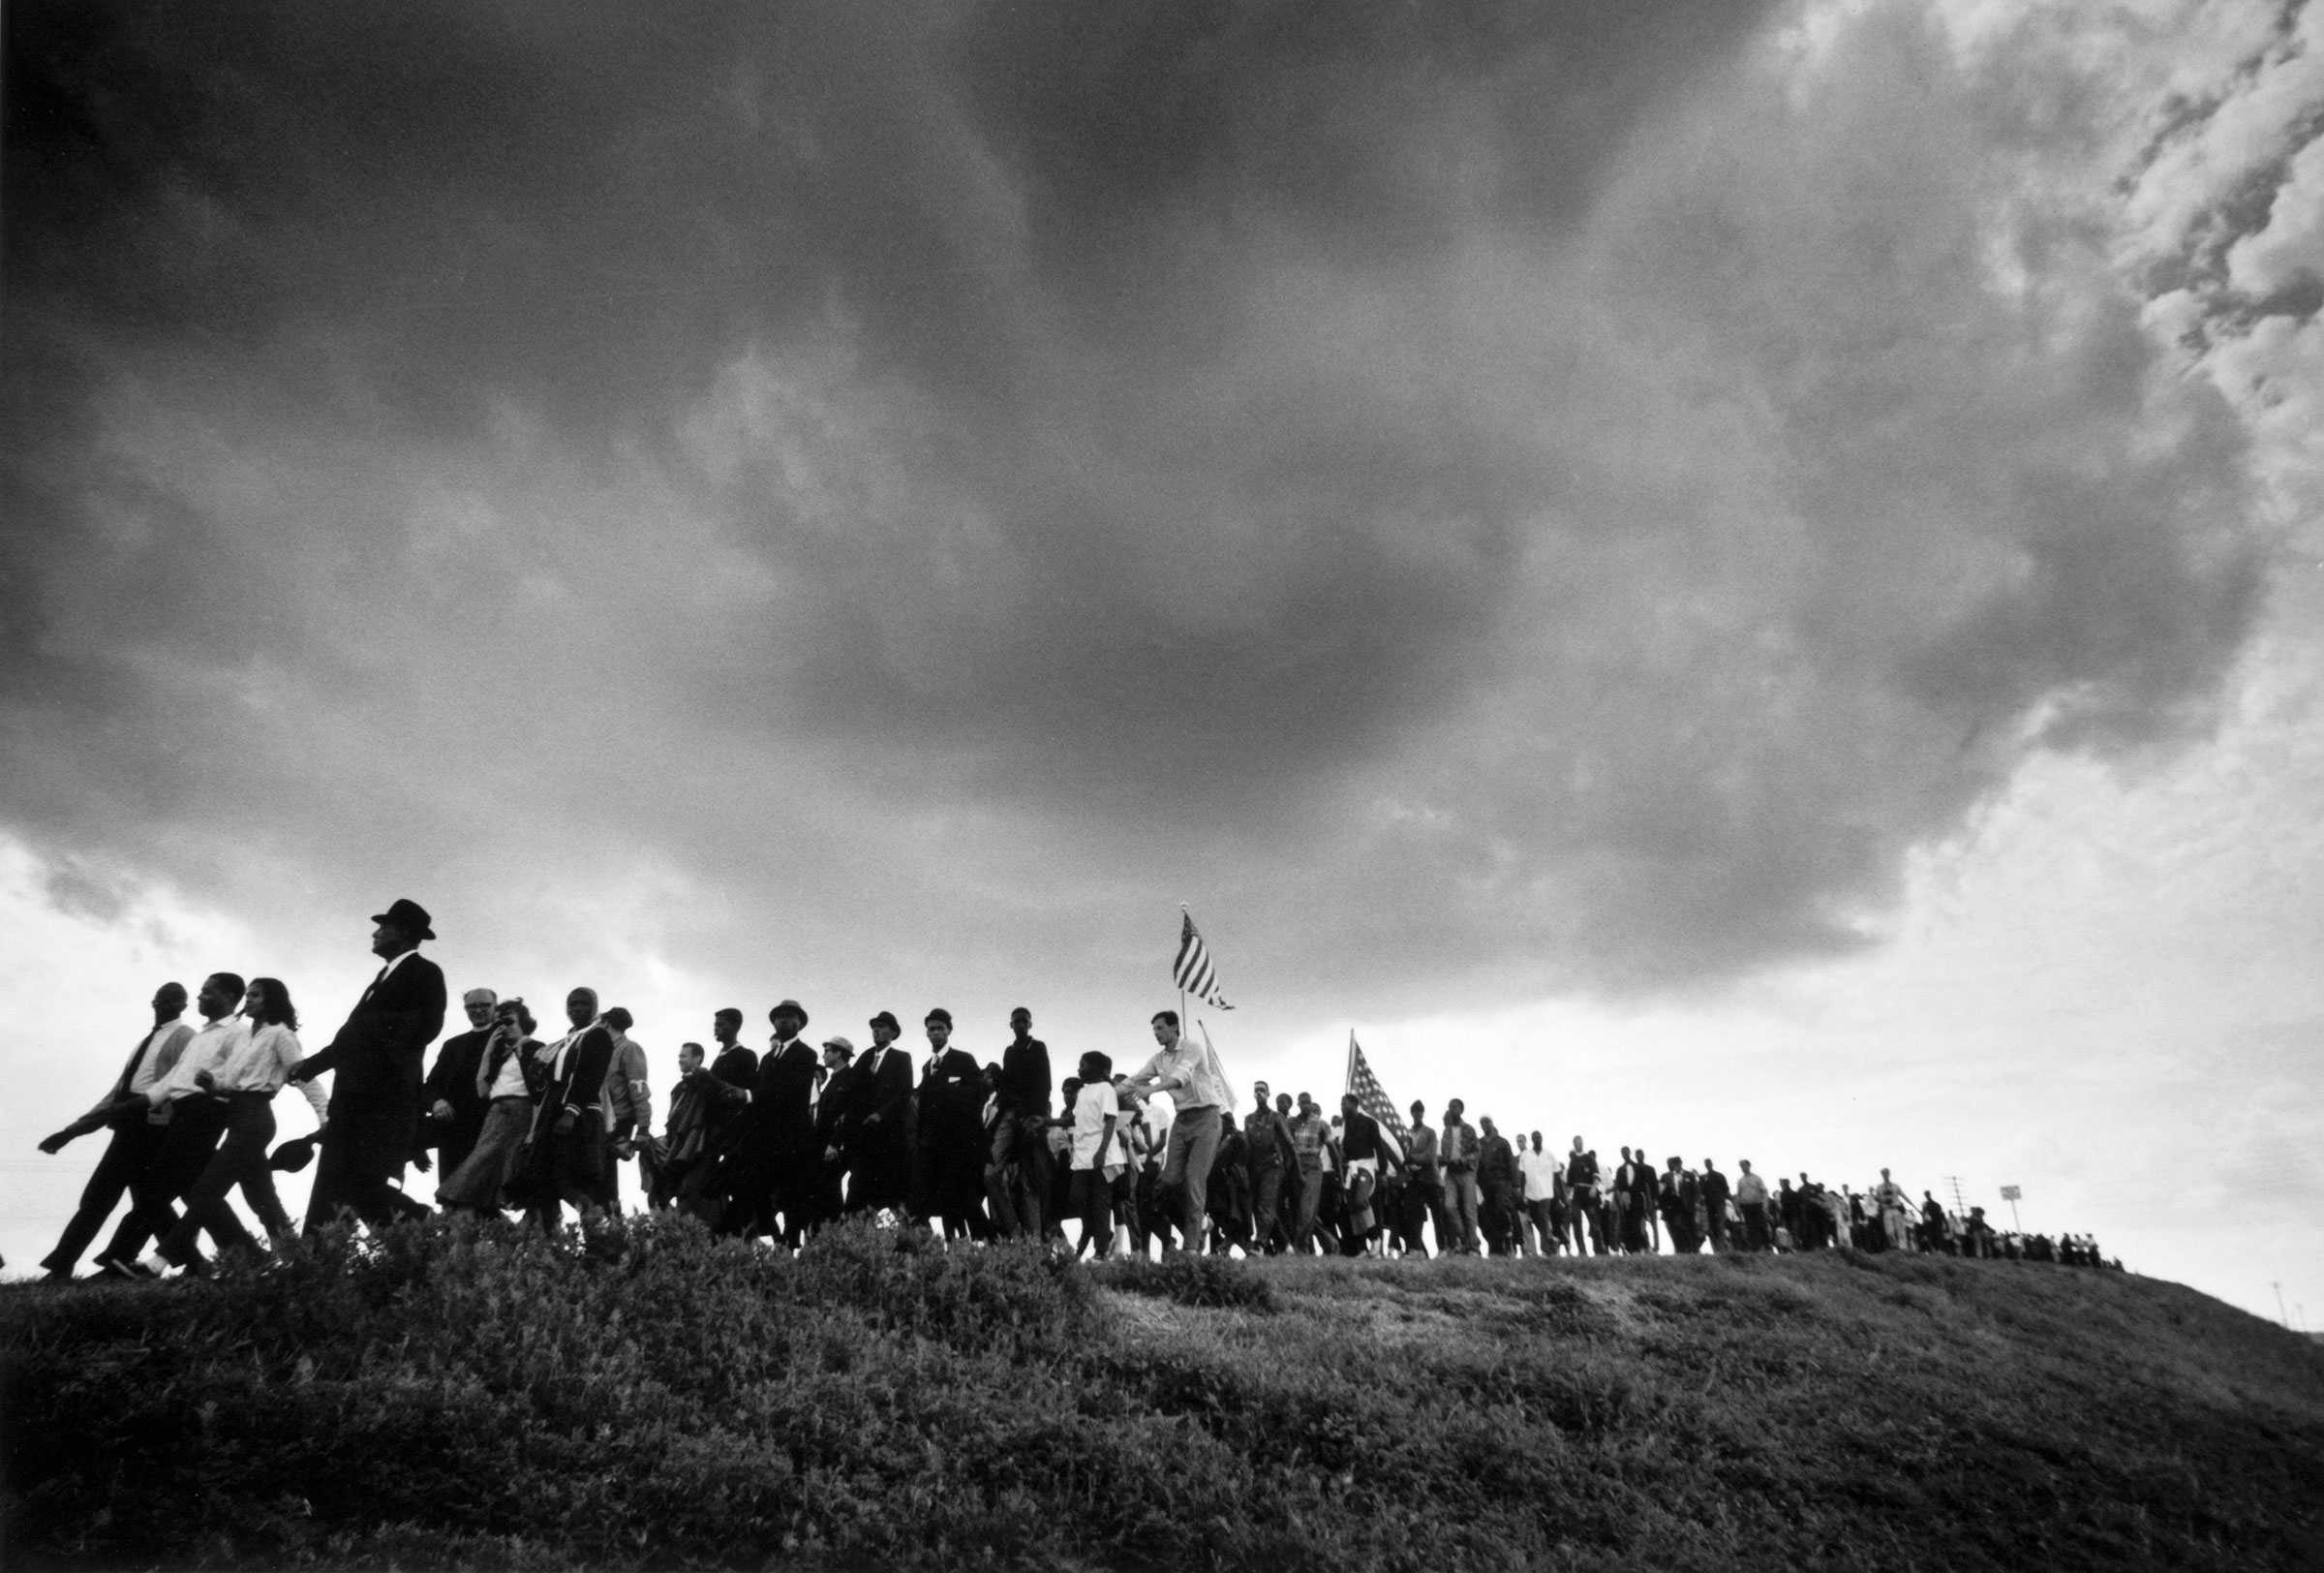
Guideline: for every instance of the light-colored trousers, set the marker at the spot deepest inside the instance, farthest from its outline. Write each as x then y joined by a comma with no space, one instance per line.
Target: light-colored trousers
1186,1168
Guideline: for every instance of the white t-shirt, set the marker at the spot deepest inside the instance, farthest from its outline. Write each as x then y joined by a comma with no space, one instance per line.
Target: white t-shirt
1092,1105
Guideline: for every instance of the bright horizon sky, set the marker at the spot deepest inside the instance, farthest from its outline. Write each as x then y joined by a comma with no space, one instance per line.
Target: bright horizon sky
1743,577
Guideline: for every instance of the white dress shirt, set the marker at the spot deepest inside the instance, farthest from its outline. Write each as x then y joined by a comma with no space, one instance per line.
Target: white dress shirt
208,1050
262,1061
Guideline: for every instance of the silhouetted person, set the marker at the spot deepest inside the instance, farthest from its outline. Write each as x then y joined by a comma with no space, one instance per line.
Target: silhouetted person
1715,1197
782,1121
879,1156
375,1093
136,1142
569,1117
453,1110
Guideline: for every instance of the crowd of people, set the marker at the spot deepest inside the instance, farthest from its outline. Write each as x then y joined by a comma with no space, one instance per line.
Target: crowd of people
776,1144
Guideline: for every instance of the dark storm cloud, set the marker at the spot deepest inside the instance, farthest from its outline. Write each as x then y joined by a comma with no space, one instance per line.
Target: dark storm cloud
1468,489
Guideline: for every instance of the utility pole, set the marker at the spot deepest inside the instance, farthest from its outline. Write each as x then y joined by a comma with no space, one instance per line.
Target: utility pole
1960,1207
2282,1314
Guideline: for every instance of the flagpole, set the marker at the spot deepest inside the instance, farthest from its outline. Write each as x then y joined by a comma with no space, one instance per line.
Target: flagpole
1185,916
1347,1080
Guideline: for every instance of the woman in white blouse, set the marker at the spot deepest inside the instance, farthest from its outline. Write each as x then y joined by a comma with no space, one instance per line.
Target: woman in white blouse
252,1068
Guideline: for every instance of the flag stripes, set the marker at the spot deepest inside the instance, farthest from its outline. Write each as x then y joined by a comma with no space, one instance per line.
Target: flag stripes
1192,971
1373,1099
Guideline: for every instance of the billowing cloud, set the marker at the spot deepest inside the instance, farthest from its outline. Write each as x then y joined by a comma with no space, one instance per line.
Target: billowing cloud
1519,496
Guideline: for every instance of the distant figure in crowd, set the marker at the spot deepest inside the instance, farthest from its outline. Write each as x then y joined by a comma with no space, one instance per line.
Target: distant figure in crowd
1584,1199
1751,1199
1423,1200
1307,1127
1457,1146
374,1095
627,1099
1364,1151
1894,1204
1497,1185
1677,1195
1642,1227
1715,1200
684,1159
1270,1156
454,1110
1545,1180
835,1114
1190,1072
128,1165
1017,1178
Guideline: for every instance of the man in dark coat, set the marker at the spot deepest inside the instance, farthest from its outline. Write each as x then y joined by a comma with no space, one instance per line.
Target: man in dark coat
836,1112
783,1118
878,1156
1714,1205
949,1159
569,1117
453,1108
375,1095
1017,1168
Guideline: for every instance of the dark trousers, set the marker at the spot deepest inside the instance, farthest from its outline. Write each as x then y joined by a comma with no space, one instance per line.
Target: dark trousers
240,1159
128,1165
1497,1214
347,1181
1715,1219
1017,1173
1267,1200
1093,1200
570,1166
196,1125
882,1171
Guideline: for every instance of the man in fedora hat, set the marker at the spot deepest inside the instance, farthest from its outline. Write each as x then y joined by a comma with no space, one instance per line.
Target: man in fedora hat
878,1152
375,1096
782,1111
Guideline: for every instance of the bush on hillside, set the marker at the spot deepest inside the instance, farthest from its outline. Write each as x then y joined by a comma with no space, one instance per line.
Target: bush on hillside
1214,1281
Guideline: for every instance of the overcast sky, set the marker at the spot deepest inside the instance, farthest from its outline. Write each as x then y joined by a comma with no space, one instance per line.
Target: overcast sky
1739,576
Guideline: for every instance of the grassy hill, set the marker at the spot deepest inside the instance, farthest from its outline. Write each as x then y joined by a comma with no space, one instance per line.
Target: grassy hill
657,1399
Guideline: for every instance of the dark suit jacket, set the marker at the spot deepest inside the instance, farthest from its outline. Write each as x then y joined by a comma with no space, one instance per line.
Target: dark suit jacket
782,1103
452,1079
952,1100
883,1090
377,1055
580,1084
836,1110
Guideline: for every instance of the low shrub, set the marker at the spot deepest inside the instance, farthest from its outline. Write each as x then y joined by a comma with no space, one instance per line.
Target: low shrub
1214,1281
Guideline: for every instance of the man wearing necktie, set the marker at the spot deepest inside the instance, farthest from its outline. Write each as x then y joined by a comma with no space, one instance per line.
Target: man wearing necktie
375,1096
128,1161
877,1151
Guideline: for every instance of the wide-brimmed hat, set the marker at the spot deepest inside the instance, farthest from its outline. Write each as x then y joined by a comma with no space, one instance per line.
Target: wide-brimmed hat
409,915
788,1007
840,1043
887,1019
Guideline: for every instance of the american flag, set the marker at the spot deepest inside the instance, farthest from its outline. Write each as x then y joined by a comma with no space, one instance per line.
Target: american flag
1372,1100
1193,971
